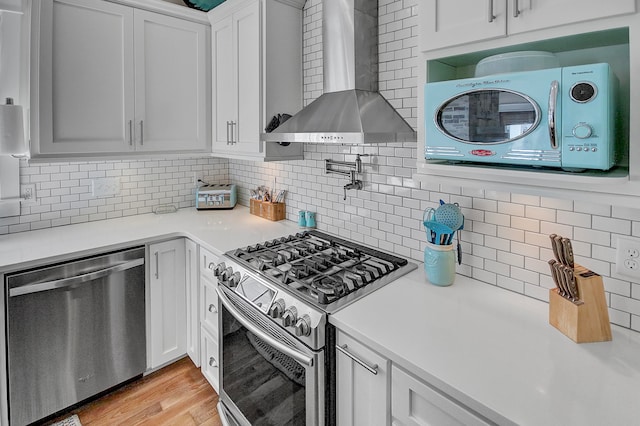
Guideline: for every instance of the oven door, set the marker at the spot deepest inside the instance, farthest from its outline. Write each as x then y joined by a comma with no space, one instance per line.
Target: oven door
267,377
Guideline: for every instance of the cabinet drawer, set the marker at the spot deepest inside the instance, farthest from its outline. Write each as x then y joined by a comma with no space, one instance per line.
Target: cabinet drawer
210,368
209,305
414,402
208,261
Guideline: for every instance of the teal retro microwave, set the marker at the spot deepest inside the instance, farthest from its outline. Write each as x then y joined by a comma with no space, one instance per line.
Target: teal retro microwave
559,117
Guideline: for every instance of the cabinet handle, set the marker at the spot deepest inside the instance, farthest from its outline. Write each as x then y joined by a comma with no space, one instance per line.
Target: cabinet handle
213,362
371,368
130,132
213,309
233,138
490,14
157,266
516,10
141,132
228,139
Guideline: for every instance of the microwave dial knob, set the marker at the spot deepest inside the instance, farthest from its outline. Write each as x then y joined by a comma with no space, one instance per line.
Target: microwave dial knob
303,326
582,131
290,316
583,92
277,309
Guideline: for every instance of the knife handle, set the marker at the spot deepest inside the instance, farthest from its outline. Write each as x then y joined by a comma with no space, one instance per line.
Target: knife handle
567,250
571,279
561,284
553,246
557,241
554,273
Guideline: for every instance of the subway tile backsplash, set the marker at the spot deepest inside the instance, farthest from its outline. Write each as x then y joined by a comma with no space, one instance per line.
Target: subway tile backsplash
505,240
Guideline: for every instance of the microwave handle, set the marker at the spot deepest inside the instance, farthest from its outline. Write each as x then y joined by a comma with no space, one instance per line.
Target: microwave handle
553,102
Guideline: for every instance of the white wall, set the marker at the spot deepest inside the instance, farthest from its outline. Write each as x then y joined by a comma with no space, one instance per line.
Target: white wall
505,241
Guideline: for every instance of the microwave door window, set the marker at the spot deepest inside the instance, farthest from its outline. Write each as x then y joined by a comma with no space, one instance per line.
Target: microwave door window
488,116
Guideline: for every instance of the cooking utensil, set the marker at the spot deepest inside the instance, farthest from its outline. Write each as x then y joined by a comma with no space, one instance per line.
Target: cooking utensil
439,232
429,215
450,215
567,251
459,246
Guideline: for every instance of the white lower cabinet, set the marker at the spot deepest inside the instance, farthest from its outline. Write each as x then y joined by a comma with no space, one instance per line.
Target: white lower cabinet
209,355
193,313
415,403
361,384
371,390
167,304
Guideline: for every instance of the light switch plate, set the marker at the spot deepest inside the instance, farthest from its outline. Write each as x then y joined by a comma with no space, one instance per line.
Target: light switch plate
105,187
628,257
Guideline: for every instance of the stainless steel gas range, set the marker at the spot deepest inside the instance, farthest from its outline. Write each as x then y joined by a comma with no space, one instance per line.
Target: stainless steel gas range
277,348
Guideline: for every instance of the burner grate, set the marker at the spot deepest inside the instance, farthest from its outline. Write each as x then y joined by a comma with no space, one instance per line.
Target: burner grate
319,267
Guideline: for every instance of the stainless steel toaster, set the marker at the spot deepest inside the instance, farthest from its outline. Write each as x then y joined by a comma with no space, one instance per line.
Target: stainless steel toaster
216,196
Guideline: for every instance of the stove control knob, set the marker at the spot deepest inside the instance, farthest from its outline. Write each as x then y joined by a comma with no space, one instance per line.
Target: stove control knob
277,309
226,274
303,326
234,279
219,268
290,316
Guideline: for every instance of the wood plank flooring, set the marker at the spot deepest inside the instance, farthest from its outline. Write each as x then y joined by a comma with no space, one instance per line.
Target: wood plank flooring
175,395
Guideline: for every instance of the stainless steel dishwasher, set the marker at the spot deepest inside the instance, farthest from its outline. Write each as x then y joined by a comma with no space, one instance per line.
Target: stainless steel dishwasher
74,330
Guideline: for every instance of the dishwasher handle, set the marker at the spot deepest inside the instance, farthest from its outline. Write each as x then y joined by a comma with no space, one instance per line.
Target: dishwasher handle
71,281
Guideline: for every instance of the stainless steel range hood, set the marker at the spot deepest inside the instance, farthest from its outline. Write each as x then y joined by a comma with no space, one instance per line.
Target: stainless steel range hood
351,111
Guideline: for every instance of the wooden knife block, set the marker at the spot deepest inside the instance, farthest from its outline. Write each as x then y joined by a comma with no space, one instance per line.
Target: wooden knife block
586,320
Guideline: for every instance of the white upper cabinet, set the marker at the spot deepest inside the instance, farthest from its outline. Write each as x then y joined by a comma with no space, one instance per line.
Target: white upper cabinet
109,79
448,23
256,74
171,83
453,22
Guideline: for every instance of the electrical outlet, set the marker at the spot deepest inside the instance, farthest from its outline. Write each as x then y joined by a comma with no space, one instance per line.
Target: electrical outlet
28,194
628,257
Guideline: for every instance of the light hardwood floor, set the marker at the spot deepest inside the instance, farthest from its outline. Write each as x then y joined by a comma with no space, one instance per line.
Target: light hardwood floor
175,395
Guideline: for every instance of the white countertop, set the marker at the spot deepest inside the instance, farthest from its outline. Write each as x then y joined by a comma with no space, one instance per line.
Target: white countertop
218,230
491,349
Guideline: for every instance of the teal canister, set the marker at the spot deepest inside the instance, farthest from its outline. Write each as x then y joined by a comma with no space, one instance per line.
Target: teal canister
440,264
302,221
310,218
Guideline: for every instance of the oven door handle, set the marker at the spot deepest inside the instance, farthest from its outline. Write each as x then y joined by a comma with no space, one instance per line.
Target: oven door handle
298,356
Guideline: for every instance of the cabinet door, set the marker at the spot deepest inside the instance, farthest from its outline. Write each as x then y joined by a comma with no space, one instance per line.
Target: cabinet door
538,14
246,133
192,287
167,302
452,22
362,396
83,96
223,83
170,84
414,403
210,355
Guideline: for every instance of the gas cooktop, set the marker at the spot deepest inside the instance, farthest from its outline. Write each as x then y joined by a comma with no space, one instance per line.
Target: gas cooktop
326,271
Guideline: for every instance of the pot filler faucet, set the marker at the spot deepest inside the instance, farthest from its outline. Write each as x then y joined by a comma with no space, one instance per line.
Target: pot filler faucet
352,168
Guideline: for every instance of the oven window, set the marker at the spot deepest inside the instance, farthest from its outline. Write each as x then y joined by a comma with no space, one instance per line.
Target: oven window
488,116
267,386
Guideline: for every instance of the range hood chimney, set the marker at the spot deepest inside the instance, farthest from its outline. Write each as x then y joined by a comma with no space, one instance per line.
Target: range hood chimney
351,111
